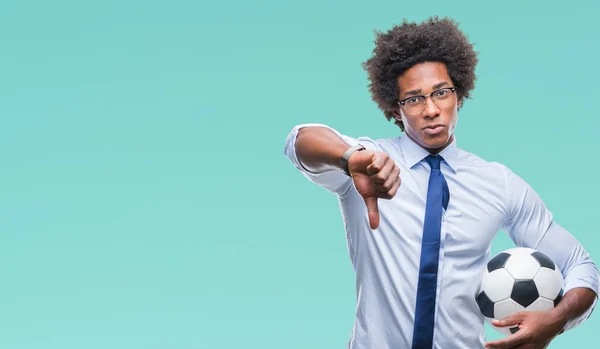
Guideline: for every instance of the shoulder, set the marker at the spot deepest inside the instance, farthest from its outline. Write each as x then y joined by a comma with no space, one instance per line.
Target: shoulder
474,164
389,145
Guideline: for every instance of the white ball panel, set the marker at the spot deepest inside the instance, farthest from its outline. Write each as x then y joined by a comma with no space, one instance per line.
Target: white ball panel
560,276
548,283
541,304
505,308
519,250
484,276
498,284
522,266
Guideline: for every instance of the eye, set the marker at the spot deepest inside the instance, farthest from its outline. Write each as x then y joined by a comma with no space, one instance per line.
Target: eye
414,100
441,93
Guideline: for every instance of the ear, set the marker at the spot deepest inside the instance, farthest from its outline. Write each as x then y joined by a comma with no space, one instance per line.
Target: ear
397,115
459,103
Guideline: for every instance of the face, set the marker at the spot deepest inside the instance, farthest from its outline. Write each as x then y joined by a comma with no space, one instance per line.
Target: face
432,128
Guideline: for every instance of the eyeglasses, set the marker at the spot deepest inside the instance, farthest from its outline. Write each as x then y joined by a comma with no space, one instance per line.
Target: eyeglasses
416,104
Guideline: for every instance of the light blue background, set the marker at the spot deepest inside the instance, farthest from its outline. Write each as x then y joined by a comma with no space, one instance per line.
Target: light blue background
145,199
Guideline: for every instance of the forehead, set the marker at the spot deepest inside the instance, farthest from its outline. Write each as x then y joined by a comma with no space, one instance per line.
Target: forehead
423,76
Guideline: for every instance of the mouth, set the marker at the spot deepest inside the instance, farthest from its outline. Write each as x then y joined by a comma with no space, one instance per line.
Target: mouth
433,129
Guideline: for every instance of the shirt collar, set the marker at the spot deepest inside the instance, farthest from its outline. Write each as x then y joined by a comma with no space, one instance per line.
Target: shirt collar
414,153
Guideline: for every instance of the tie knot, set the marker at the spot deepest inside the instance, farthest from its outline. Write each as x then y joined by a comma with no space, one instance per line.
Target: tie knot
434,161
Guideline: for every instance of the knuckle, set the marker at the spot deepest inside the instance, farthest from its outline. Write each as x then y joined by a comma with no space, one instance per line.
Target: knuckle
384,190
379,178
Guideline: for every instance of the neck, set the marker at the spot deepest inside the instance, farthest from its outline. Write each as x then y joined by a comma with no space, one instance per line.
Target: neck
433,150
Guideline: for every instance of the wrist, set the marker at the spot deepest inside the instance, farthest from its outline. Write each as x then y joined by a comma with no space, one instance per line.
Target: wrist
346,156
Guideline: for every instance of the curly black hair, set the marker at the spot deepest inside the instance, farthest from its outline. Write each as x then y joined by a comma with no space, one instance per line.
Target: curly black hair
408,44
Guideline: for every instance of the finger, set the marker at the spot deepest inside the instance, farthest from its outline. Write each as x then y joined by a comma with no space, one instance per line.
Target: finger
373,211
524,346
510,320
396,186
384,174
387,191
377,163
512,341
392,192
391,179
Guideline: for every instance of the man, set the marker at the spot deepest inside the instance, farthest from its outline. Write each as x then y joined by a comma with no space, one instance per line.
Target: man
420,213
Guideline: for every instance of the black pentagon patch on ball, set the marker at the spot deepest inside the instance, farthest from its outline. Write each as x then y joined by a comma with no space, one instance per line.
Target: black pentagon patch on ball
558,298
524,292
497,262
543,260
514,330
485,305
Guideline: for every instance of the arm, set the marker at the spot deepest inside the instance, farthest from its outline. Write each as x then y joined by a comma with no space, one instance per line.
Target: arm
316,150
580,274
317,162
530,224
575,303
538,328
319,149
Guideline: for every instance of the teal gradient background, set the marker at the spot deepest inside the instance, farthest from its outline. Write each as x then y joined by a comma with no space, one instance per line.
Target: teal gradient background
145,199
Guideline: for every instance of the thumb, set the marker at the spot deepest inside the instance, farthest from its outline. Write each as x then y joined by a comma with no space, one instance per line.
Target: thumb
373,210
510,320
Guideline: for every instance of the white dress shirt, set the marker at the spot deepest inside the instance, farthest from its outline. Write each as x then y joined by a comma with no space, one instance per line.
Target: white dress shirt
484,198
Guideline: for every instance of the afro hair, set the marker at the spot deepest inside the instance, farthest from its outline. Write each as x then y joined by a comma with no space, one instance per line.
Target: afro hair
408,44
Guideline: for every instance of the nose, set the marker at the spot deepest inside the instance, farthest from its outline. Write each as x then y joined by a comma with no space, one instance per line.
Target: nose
431,110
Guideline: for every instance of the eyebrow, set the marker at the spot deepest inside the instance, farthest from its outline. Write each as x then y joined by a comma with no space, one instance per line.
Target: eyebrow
418,91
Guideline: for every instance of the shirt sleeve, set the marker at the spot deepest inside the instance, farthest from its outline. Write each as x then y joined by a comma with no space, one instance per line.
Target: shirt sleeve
530,224
334,180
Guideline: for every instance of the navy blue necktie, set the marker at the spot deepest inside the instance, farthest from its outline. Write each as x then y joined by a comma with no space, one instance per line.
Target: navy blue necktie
437,197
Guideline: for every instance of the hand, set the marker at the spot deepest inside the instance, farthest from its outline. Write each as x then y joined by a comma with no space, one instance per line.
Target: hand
375,175
536,330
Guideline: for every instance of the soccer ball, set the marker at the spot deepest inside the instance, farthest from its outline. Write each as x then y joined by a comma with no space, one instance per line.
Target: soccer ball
518,279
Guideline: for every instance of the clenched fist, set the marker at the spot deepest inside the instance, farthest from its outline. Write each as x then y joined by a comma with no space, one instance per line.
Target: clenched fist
375,176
